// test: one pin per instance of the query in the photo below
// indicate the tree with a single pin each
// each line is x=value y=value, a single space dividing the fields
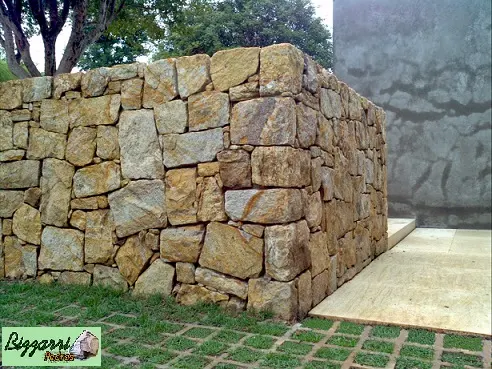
x=133 y=33
x=207 y=26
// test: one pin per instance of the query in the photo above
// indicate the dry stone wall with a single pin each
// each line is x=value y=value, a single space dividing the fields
x=252 y=179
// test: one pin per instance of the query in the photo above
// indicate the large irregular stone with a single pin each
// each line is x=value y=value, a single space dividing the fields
x=281 y=68
x=94 y=82
x=235 y=168
x=36 y=89
x=210 y=201
x=189 y=294
x=192 y=148
x=66 y=82
x=193 y=74
x=95 y=111
x=107 y=143
x=19 y=174
x=11 y=94
x=54 y=116
x=78 y=219
x=161 y=83
x=10 y=201
x=89 y=203
x=20 y=115
x=6 y=131
x=27 y=224
x=20 y=260
x=21 y=134
x=80 y=278
x=325 y=134
x=331 y=103
x=99 y=229
x=230 y=68
x=96 y=179
x=61 y=249
x=46 y=144
x=132 y=258
x=246 y=91
x=171 y=117
x=185 y=272
x=281 y=166
x=264 y=206
x=221 y=283
x=182 y=244
x=81 y=146
x=140 y=205
x=286 y=250
x=354 y=106
x=156 y=280
x=12 y=155
x=141 y=156
x=328 y=183
x=320 y=258
x=338 y=217
x=231 y=251
x=278 y=297
x=181 y=196
x=305 y=294
x=307 y=124
x=264 y=121
x=56 y=188
x=131 y=94
x=319 y=286
x=208 y=109
x=109 y=277
x=310 y=77
x=123 y=71
x=314 y=210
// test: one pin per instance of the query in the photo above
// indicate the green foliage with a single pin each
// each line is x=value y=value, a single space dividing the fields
x=350 y=328
x=421 y=336
x=385 y=332
x=377 y=360
x=459 y=358
x=463 y=342
x=315 y=323
x=206 y=26
x=379 y=346
x=416 y=351
x=5 y=73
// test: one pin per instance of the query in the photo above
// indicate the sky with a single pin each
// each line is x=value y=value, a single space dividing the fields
x=324 y=9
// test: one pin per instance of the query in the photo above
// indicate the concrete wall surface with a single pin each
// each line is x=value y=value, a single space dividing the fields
x=428 y=64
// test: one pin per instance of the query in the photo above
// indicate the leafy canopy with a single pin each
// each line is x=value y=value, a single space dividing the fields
x=206 y=26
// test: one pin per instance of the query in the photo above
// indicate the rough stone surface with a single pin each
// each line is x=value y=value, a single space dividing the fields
x=235 y=168
x=286 y=250
x=20 y=135
x=11 y=201
x=277 y=297
x=264 y=206
x=141 y=157
x=171 y=117
x=56 y=187
x=54 y=116
x=81 y=146
x=132 y=258
x=98 y=237
x=281 y=68
x=208 y=109
x=45 y=144
x=181 y=196
x=96 y=179
x=131 y=94
x=307 y=123
x=231 y=251
x=109 y=277
x=208 y=169
x=182 y=244
x=210 y=201
x=192 y=148
x=320 y=258
x=319 y=286
x=19 y=174
x=264 y=121
x=193 y=74
x=250 y=90
x=230 y=68
x=185 y=273
x=65 y=82
x=27 y=224
x=107 y=143
x=36 y=89
x=78 y=220
x=189 y=294
x=10 y=94
x=314 y=210
x=157 y=279
x=221 y=282
x=20 y=260
x=305 y=294
x=94 y=82
x=61 y=249
x=281 y=167
x=80 y=278
x=11 y=155
x=96 y=111
x=331 y=103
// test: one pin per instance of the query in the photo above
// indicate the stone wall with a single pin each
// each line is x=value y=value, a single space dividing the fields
x=253 y=179
x=428 y=64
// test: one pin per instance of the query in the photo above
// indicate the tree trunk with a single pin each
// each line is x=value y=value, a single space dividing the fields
x=49 y=56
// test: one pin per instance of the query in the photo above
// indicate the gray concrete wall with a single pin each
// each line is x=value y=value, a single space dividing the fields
x=428 y=64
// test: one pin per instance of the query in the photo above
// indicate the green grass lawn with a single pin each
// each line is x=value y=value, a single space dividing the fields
x=143 y=333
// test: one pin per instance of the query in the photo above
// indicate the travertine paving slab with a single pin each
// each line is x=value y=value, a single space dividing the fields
x=434 y=278
x=398 y=229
